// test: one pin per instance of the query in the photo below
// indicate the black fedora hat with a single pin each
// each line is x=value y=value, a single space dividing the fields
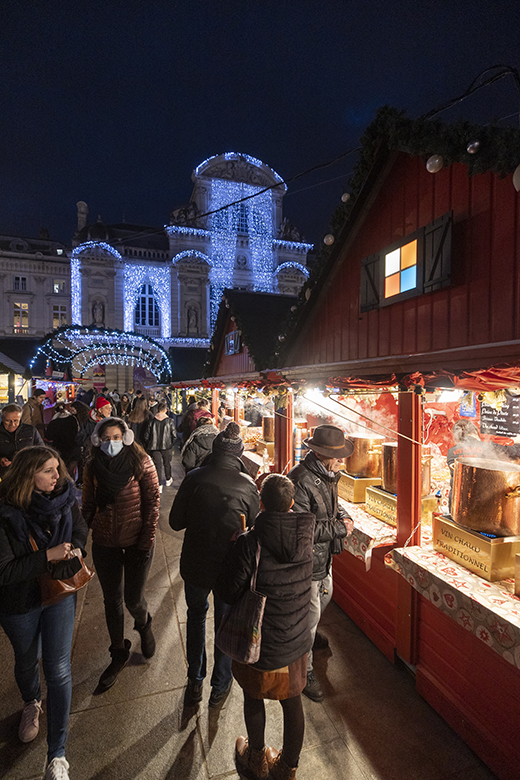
x=330 y=441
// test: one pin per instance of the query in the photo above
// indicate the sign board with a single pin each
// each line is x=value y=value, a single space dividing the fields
x=505 y=422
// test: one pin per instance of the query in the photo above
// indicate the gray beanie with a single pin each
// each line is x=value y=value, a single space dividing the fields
x=228 y=442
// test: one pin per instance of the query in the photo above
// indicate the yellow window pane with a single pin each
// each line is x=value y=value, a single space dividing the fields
x=392 y=262
x=392 y=285
x=409 y=254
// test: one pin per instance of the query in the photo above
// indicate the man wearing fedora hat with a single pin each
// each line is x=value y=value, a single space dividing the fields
x=316 y=490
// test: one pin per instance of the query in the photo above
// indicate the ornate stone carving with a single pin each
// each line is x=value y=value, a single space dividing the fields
x=238 y=170
x=289 y=232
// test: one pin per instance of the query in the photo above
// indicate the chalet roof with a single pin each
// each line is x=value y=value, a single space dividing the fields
x=259 y=317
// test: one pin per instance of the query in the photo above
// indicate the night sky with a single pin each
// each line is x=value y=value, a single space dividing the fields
x=115 y=103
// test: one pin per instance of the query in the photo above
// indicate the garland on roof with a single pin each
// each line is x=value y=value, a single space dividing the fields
x=498 y=151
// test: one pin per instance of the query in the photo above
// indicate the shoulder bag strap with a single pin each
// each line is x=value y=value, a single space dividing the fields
x=253 y=577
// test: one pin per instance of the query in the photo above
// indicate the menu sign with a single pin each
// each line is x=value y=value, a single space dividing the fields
x=505 y=422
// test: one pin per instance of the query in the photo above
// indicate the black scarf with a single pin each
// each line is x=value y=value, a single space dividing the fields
x=112 y=474
x=48 y=519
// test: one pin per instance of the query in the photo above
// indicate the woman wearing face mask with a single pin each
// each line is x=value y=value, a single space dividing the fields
x=121 y=506
x=37 y=500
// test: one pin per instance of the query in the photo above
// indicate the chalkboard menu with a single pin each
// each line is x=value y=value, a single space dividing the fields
x=505 y=422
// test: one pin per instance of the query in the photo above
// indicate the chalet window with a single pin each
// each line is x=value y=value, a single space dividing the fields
x=417 y=264
x=59 y=315
x=232 y=343
x=20 y=283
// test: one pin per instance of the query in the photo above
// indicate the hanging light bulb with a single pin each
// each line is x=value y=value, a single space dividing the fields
x=345 y=197
x=329 y=239
x=434 y=163
x=516 y=178
x=473 y=147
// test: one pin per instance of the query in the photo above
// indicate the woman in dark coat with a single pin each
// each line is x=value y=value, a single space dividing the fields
x=37 y=500
x=284 y=576
x=140 y=420
x=199 y=444
x=61 y=433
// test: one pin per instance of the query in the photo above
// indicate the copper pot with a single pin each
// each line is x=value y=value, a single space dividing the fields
x=365 y=460
x=389 y=475
x=486 y=496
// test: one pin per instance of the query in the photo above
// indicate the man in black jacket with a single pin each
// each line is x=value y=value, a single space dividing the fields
x=316 y=490
x=14 y=435
x=209 y=505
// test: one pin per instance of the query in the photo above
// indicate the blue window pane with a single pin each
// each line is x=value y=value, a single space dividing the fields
x=408 y=279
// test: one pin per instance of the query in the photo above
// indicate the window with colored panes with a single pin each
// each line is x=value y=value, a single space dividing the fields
x=401 y=269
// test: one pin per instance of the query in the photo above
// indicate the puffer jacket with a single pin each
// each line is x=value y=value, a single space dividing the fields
x=20 y=566
x=316 y=491
x=162 y=434
x=132 y=519
x=284 y=576
x=208 y=505
x=198 y=446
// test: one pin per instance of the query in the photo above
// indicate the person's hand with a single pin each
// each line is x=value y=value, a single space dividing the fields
x=350 y=525
x=60 y=553
x=5 y=462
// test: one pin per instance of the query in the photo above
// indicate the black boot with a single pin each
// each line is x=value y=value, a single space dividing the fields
x=147 y=638
x=119 y=661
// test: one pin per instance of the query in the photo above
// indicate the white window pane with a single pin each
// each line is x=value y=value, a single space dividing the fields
x=392 y=262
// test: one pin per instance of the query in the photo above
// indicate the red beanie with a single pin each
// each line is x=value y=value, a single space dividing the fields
x=102 y=402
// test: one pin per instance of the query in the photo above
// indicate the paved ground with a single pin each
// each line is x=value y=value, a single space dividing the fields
x=372 y=724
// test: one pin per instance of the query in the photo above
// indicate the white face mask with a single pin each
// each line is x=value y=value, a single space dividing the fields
x=111 y=448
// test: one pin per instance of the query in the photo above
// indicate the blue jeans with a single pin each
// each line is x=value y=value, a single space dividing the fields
x=197 y=601
x=46 y=633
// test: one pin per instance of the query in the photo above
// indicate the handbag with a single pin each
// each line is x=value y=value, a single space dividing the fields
x=54 y=591
x=239 y=634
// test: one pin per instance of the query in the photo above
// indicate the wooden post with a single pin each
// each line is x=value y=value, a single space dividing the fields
x=283 y=437
x=408 y=517
x=214 y=404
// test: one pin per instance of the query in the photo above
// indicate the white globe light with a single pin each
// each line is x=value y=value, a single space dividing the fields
x=516 y=178
x=329 y=239
x=434 y=163
x=345 y=197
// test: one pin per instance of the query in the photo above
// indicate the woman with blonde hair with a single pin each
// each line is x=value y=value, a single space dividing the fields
x=37 y=503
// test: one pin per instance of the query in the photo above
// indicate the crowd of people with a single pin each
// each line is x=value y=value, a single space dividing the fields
x=119 y=451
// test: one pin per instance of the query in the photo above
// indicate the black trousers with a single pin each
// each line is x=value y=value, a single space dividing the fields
x=122 y=573
x=163 y=464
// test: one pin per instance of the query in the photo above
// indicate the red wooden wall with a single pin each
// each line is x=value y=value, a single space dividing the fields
x=234 y=365
x=480 y=306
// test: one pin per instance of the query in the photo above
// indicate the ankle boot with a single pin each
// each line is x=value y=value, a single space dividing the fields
x=119 y=661
x=251 y=760
x=147 y=638
x=279 y=770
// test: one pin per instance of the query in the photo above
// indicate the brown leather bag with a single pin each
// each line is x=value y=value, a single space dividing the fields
x=53 y=590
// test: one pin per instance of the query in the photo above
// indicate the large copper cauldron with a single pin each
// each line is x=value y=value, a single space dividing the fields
x=486 y=496
x=365 y=460
x=389 y=474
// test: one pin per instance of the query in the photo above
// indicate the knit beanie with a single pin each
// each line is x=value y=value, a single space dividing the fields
x=101 y=401
x=228 y=442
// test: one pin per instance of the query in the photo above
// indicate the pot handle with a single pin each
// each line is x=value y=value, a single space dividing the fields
x=513 y=492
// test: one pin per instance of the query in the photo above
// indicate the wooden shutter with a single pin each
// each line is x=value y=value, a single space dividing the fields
x=437 y=253
x=370 y=283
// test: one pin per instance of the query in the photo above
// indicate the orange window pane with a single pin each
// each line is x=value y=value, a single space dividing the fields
x=392 y=285
x=409 y=254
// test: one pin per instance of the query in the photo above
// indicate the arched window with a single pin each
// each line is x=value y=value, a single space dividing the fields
x=146 y=308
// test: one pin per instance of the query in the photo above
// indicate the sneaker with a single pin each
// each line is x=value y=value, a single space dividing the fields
x=313 y=688
x=320 y=642
x=160 y=488
x=30 y=722
x=58 y=769
x=193 y=693
x=218 y=698
x=169 y=482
